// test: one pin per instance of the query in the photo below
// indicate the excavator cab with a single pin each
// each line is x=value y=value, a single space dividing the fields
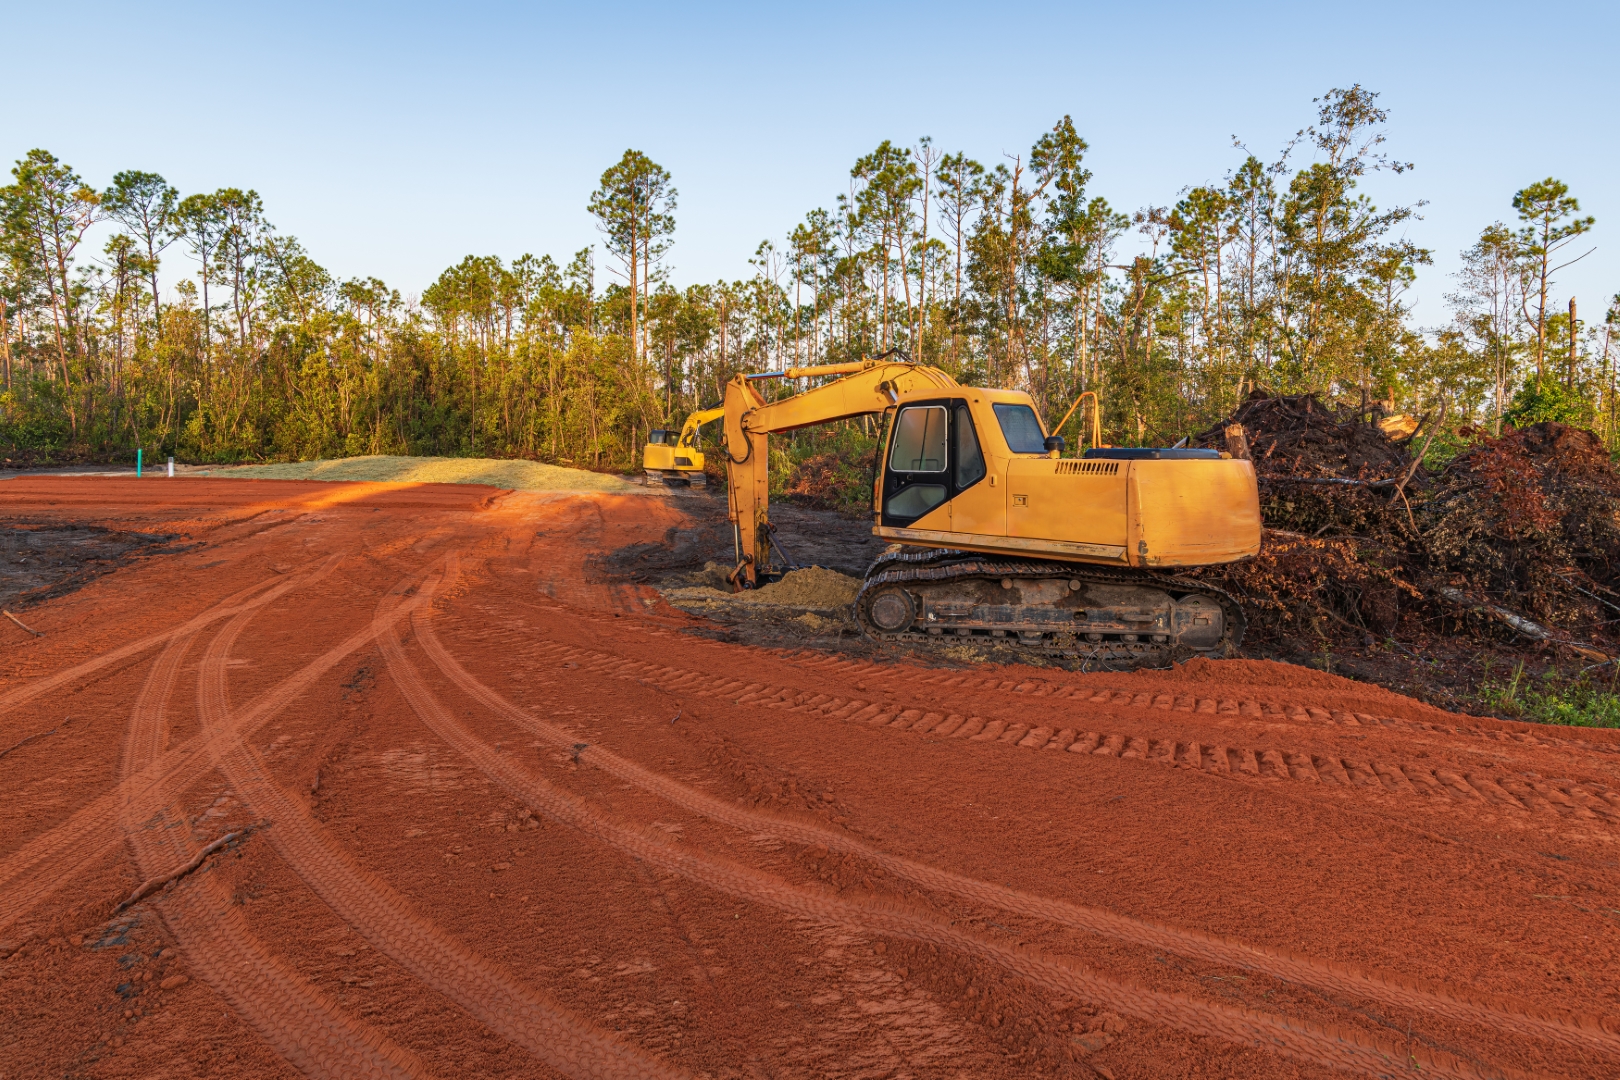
x=976 y=470
x=933 y=456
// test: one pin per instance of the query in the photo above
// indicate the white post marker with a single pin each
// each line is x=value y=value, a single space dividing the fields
x=171 y=466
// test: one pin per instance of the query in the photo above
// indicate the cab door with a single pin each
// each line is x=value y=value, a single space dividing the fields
x=978 y=507
x=933 y=456
x=916 y=468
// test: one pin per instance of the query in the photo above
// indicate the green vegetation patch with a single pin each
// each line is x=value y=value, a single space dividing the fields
x=1553 y=698
x=395 y=469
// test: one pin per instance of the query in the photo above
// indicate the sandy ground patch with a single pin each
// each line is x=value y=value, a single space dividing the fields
x=391 y=468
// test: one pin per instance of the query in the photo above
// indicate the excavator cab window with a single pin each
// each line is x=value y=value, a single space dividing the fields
x=969 y=458
x=919 y=440
x=1022 y=429
x=660 y=436
x=917 y=462
x=928 y=462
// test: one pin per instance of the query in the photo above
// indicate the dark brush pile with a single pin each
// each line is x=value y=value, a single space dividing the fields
x=1529 y=519
x=832 y=481
x=1298 y=442
x=1525 y=522
x=1298 y=435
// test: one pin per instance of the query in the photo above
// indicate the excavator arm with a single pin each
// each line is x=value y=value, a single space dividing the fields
x=689 y=429
x=867 y=387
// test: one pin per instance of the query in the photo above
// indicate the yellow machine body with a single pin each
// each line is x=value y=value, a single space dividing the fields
x=670 y=457
x=997 y=537
x=976 y=475
x=676 y=454
x=1121 y=511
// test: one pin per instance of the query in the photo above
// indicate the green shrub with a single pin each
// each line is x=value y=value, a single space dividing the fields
x=1546 y=399
x=1551 y=698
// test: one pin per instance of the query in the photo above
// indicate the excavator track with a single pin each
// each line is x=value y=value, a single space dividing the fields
x=1117 y=619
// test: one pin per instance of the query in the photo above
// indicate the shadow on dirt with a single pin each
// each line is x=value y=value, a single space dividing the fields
x=808 y=537
x=40 y=561
x=690 y=563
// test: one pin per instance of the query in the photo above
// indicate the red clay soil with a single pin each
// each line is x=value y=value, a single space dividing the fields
x=481 y=817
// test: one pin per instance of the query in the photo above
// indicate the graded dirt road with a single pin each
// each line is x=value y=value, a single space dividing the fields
x=399 y=786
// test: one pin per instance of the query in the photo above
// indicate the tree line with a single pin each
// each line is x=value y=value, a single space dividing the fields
x=1284 y=276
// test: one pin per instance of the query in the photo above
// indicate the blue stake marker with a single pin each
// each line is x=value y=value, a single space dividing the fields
x=137 y=464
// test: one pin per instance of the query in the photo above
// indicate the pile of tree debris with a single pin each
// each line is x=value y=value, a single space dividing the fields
x=1323 y=469
x=1516 y=538
x=1528 y=520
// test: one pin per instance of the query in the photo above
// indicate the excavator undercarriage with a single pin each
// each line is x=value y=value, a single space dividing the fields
x=1117 y=618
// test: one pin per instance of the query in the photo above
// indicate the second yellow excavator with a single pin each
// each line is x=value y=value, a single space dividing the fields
x=673 y=456
x=994 y=533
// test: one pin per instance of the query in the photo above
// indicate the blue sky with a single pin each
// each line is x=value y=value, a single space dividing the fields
x=395 y=139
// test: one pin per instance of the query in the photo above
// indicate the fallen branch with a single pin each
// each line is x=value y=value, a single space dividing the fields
x=163 y=882
x=1532 y=630
x=1594 y=596
x=19 y=622
x=1409 y=518
x=1331 y=481
x=1347 y=624
x=36 y=735
x=1523 y=625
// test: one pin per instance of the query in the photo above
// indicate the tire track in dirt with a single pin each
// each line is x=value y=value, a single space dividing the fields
x=147 y=731
x=222 y=610
x=1584 y=1031
x=1588 y=801
x=1484 y=728
x=302 y=1025
x=50 y=860
x=31 y=690
x=388 y=920
x=36 y=870
x=1323 y=1045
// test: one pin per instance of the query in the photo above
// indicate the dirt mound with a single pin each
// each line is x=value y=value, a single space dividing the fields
x=814 y=587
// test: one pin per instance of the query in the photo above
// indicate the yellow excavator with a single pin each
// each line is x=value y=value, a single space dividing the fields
x=994 y=533
x=673 y=456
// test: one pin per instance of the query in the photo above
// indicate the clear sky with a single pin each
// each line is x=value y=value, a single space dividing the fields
x=394 y=139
